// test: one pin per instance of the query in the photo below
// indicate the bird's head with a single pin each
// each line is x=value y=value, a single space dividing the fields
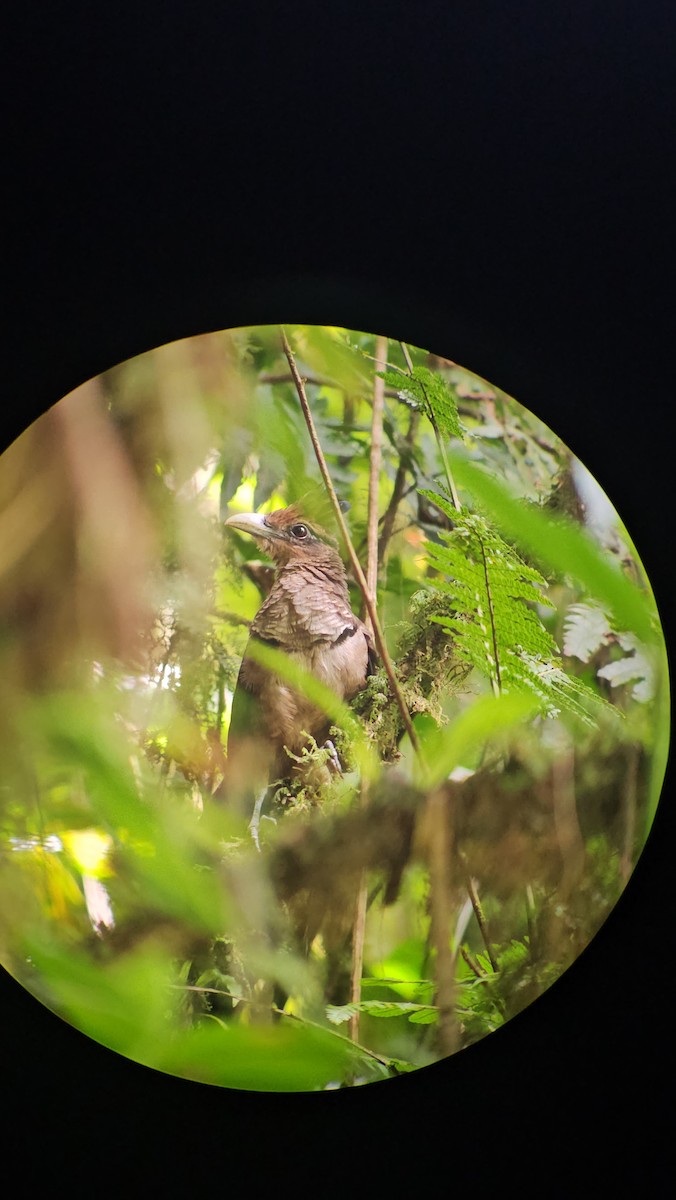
x=287 y=536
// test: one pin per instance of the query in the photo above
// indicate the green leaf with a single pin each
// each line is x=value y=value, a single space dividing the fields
x=132 y=1007
x=287 y=1057
x=563 y=548
x=428 y=391
x=458 y=744
x=159 y=847
x=495 y=625
x=422 y=1014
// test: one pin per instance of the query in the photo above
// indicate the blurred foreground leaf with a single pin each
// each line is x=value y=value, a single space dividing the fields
x=320 y=695
x=458 y=744
x=563 y=548
x=160 y=845
x=132 y=1006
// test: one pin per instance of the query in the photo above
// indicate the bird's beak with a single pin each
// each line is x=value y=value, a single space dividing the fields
x=253 y=523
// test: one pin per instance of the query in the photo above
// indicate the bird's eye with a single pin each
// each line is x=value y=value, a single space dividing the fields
x=300 y=531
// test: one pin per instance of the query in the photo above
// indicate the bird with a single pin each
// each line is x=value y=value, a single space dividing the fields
x=307 y=614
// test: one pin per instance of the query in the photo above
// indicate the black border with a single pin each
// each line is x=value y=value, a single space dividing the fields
x=496 y=186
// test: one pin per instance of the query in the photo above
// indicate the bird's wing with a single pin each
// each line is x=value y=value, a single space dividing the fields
x=250 y=751
x=246 y=718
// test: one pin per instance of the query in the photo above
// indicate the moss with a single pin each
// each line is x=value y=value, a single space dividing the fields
x=427 y=669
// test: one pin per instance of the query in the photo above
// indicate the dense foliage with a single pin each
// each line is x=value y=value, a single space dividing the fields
x=447 y=877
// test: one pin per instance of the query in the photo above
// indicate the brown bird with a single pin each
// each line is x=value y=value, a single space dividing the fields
x=307 y=615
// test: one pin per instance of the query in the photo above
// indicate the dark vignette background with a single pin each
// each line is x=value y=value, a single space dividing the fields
x=493 y=182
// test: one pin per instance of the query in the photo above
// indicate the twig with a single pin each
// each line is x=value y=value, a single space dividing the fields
x=407 y=356
x=232 y=618
x=359 y=922
x=398 y=490
x=279 y=1012
x=481 y=920
x=358 y=932
x=532 y=924
x=278 y=377
x=317 y=381
x=473 y=966
x=374 y=472
x=566 y=820
x=438 y=846
x=220 y=710
x=354 y=561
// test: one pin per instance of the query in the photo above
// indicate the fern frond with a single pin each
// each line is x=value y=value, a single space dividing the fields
x=585 y=629
x=429 y=393
x=495 y=624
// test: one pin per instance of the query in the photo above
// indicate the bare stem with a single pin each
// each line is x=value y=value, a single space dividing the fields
x=447 y=468
x=351 y=553
x=407 y=356
x=481 y=920
x=438 y=841
x=359 y=922
x=358 y=932
x=374 y=471
x=398 y=490
x=472 y=964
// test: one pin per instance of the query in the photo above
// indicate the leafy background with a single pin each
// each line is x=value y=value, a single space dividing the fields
x=475 y=865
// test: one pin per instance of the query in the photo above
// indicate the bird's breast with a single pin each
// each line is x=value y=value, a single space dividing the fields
x=341 y=665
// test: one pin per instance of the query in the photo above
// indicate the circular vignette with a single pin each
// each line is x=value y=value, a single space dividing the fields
x=334 y=708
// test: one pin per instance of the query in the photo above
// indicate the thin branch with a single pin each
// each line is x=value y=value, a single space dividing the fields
x=282 y=377
x=447 y=467
x=398 y=490
x=317 y=381
x=374 y=472
x=437 y=822
x=220 y=710
x=354 y=561
x=359 y=922
x=473 y=966
x=358 y=933
x=481 y=920
x=231 y=618
x=407 y=356
x=566 y=819
x=279 y=1012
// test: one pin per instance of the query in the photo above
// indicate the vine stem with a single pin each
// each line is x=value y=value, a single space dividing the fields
x=351 y=553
